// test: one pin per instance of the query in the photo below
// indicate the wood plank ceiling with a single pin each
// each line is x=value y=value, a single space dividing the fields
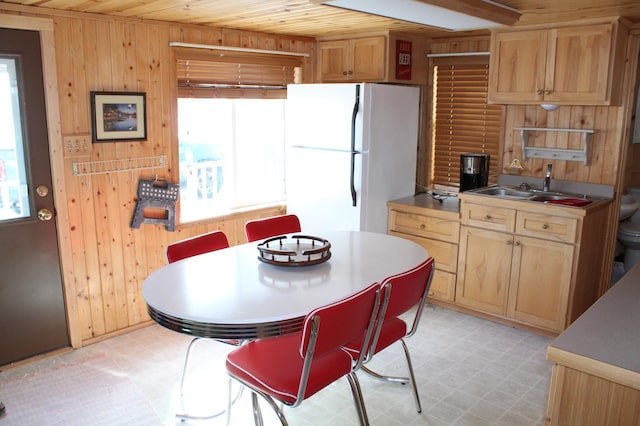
x=305 y=18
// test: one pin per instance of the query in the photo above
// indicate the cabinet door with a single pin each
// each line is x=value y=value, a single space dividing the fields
x=361 y=59
x=578 y=64
x=540 y=282
x=484 y=267
x=332 y=61
x=517 y=66
x=367 y=59
x=443 y=286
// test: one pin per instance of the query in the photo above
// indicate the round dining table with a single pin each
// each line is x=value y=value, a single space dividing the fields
x=232 y=294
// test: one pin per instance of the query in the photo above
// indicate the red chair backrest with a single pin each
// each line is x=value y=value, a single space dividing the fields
x=259 y=229
x=408 y=288
x=204 y=243
x=342 y=322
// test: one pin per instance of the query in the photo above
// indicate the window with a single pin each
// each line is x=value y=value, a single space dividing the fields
x=231 y=130
x=462 y=121
x=231 y=155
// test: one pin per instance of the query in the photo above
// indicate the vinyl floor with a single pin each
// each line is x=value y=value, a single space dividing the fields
x=470 y=371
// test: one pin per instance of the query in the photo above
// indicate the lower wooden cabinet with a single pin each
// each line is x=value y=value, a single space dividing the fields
x=435 y=230
x=531 y=264
x=521 y=263
x=521 y=278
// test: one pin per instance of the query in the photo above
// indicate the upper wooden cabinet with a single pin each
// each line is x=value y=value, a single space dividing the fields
x=567 y=66
x=373 y=59
x=361 y=59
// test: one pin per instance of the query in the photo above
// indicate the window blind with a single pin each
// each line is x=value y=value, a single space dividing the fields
x=462 y=120
x=211 y=74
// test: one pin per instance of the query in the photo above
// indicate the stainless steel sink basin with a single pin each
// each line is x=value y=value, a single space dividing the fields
x=514 y=193
x=502 y=191
x=547 y=197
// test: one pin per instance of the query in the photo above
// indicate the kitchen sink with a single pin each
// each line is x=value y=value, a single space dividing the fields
x=514 y=193
x=547 y=197
x=503 y=191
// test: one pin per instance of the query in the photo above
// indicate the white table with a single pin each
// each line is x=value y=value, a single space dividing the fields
x=231 y=294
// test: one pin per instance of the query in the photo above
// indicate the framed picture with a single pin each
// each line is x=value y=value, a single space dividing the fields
x=118 y=116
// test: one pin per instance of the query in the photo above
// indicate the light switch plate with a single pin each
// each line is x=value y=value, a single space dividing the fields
x=77 y=146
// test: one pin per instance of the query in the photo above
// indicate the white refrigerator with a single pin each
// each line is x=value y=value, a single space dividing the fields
x=350 y=148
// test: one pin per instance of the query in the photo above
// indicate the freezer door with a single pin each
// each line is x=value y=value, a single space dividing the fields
x=318 y=189
x=320 y=116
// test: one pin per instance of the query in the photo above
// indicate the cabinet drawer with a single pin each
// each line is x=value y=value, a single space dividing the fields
x=486 y=217
x=445 y=254
x=424 y=226
x=443 y=286
x=554 y=228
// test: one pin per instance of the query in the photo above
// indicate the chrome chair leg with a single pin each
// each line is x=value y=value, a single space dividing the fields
x=257 y=414
x=272 y=403
x=413 y=377
x=402 y=380
x=357 y=397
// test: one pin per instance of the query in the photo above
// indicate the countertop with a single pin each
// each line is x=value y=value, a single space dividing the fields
x=606 y=338
x=449 y=205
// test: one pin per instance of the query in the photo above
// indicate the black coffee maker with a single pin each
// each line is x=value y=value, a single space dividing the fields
x=474 y=171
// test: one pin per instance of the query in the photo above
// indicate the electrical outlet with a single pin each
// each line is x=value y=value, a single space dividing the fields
x=77 y=146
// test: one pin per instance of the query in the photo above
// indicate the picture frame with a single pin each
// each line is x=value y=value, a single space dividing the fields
x=118 y=116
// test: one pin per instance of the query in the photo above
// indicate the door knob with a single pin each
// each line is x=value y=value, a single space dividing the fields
x=44 y=214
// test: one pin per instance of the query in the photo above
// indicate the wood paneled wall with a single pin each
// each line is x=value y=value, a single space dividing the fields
x=604 y=157
x=108 y=260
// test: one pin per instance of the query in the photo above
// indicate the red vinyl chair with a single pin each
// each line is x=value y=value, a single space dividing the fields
x=404 y=292
x=293 y=367
x=259 y=229
x=200 y=244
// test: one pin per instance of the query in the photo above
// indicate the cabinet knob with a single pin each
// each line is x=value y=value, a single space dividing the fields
x=517 y=243
x=487 y=217
x=509 y=242
x=344 y=73
x=350 y=72
x=538 y=92
x=423 y=226
x=547 y=92
x=545 y=226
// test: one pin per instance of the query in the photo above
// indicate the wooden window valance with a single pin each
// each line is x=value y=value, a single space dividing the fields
x=211 y=73
x=462 y=120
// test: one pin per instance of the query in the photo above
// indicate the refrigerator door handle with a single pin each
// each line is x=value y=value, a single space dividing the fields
x=354 y=115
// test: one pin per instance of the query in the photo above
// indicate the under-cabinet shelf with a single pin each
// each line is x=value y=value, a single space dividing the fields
x=556 y=153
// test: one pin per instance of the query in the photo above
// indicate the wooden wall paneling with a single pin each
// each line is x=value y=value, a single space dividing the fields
x=156 y=65
x=112 y=185
x=74 y=69
x=603 y=158
x=98 y=74
x=160 y=94
x=616 y=142
x=128 y=181
x=81 y=294
x=125 y=79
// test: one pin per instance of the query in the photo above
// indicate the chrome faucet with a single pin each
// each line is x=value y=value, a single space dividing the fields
x=547 y=179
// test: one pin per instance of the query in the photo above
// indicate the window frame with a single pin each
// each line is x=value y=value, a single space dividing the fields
x=435 y=180
x=292 y=66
